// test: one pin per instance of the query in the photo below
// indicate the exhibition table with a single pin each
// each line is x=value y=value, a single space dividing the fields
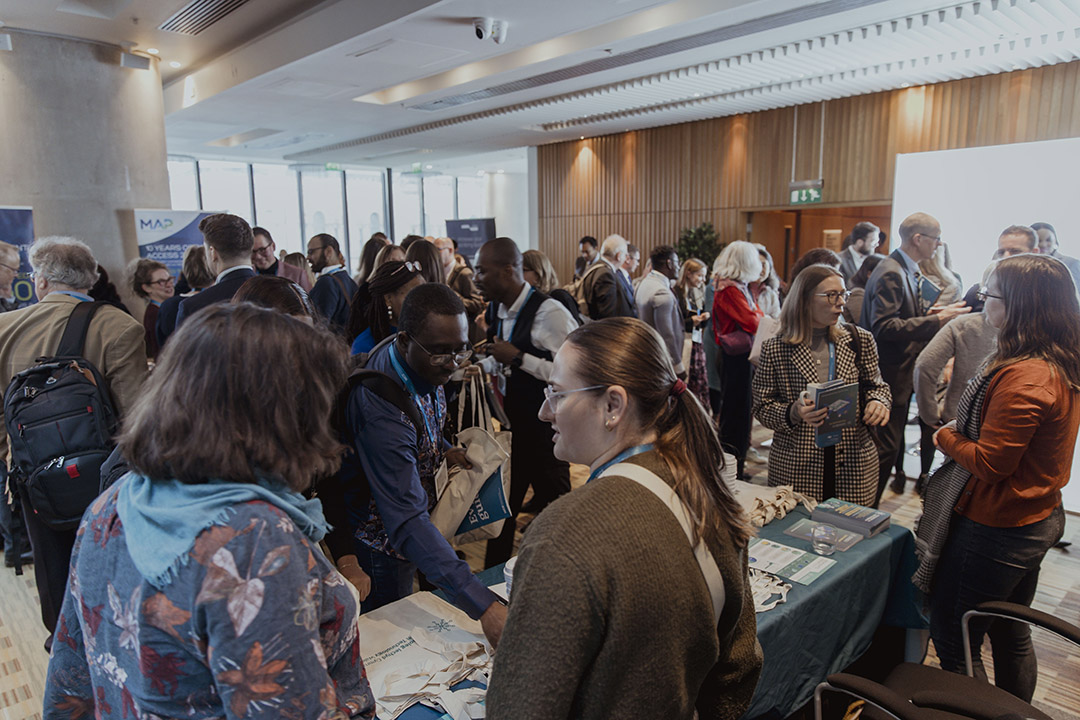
x=823 y=627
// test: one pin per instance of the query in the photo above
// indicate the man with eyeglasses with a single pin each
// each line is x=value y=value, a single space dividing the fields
x=525 y=328
x=228 y=241
x=265 y=260
x=334 y=287
x=9 y=270
x=893 y=312
x=400 y=461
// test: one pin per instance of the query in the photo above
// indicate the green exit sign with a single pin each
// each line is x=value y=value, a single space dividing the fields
x=806 y=196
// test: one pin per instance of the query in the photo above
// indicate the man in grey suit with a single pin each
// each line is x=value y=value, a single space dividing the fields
x=892 y=311
x=657 y=306
x=64 y=272
x=864 y=240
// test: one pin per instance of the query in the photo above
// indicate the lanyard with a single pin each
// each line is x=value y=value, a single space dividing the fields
x=627 y=453
x=77 y=295
x=832 y=360
x=411 y=389
x=514 y=324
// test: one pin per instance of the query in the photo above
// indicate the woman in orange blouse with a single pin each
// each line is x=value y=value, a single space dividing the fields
x=1009 y=514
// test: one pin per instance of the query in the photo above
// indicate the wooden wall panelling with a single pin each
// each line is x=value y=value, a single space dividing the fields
x=649 y=184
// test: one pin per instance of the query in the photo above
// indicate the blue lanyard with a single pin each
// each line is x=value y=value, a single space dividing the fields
x=627 y=453
x=832 y=360
x=411 y=389
x=514 y=325
x=77 y=295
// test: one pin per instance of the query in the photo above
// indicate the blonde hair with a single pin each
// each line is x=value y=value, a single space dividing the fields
x=689 y=267
x=538 y=262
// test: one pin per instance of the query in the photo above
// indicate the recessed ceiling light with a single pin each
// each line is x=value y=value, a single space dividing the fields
x=697 y=94
x=153 y=51
x=581 y=138
x=174 y=64
x=905 y=85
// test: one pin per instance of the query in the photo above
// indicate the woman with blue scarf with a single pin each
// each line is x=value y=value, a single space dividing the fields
x=197 y=588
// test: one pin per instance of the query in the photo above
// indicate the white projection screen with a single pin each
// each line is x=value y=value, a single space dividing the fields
x=977 y=192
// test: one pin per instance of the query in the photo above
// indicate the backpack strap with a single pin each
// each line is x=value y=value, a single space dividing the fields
x=382 y=385
x=74 y=338
x=341 y=284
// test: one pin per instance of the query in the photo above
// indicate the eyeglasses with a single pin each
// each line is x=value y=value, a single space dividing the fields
x=457 y=357
x=982 y=295
x=553 y=397
x=163 y=282
x=935 y=238
x=835 y=297
x=265 y=248
x=312 y=250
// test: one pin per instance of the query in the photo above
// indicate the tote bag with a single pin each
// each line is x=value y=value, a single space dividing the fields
x=767 y=328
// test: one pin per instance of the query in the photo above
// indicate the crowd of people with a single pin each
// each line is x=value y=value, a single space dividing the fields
x=282 y=426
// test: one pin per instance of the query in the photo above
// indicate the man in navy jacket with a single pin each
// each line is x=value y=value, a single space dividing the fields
x=228 y=240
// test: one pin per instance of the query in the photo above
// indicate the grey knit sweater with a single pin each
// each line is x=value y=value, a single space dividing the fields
x=610 y=616
x=969 y=340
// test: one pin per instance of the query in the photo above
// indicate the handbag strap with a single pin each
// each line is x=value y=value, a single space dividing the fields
x=652 y=482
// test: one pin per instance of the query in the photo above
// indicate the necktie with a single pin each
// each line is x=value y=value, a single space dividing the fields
x=918 y=293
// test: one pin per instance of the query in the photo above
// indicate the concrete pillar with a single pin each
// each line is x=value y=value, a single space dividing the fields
x=82 y=141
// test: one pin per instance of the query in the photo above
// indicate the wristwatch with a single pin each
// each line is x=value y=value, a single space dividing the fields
x=516 y=362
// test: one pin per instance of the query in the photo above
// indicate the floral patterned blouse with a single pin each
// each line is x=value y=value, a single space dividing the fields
x=256 y=624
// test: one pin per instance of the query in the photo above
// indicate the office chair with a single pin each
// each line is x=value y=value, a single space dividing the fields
x=921 y=692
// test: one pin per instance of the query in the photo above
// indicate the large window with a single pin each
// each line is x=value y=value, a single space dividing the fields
x=407 y=216
x=183 y=185
x=471 y=197
x=324 y=210
x=226 y=187
x=364 y=194
x=277 y=205
x=438 y=203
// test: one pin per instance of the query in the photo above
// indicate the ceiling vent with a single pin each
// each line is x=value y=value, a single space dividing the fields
x=198 y=15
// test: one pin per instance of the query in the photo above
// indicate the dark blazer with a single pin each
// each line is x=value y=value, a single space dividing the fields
x=605 y=294
x=890 y=311
x=166 y=319
x=220 y=292
x=847 y=266
x=783 y=373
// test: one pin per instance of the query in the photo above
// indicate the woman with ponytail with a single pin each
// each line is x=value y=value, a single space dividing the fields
x=630 y=594
x=377 y=304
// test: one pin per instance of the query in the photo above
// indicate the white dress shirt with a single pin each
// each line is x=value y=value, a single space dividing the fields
x=552 y=323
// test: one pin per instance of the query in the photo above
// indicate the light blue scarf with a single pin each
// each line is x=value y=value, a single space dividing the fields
x=162 y=518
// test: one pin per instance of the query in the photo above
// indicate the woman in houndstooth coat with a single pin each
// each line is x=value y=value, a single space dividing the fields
x=810 y=342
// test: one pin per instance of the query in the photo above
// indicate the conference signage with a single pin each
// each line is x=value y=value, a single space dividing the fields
x=164 y=235
x=471 y=234
x=17 y=228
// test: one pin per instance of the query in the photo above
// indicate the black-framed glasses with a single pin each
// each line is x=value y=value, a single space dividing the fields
x=262 y=249
x=835 y=297
x=163 y=282
x=982 y=295
x=312 y=250
x=935 y=238
x=456 y=357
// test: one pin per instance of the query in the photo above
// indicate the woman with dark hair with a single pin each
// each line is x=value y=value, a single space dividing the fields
x=996 y=503
x=376 y=306
x=579 y=627
x=367 y=257
x=104 y=291
x=197 y=585
x=815 y=256
x=812 y=346
x=151 y=281
x=431 y=267
x=276 y=293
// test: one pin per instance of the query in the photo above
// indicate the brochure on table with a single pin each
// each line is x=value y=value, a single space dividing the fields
x=787 y=562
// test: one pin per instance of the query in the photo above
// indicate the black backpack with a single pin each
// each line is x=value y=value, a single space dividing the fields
x=61 y=421
x=349 y=487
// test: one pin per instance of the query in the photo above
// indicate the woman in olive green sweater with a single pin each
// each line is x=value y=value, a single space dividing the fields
x=611 y=614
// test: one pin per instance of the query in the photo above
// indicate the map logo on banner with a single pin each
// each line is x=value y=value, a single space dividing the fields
x=164 y=235
x=17 y=228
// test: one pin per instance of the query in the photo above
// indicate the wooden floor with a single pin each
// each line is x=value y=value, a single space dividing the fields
x=23 y=660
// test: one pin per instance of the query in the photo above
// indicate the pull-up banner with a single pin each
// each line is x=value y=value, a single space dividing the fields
x=17 y=228
x=164 y=235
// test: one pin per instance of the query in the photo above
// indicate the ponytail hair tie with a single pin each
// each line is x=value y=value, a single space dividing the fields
x=678 y=388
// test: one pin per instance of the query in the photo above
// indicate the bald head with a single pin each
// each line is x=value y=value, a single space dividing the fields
x=502 y=251
x=498 y=270
x=920 y=235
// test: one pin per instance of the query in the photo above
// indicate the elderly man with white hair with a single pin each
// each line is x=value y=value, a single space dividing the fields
x=606 y=292
x=64 y=271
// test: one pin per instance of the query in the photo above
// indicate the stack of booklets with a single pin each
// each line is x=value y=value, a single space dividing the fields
x=868 y=522
x=842 y=399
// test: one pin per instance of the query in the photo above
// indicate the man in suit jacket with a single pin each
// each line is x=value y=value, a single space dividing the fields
x=1048 y=245
x=228 y=240
x=892 y=311
x=64 y=272
x=334 y=288
x=606 y=293
x=265 y=261
x=864 y=240
x=656 y=303
x=589 y=254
